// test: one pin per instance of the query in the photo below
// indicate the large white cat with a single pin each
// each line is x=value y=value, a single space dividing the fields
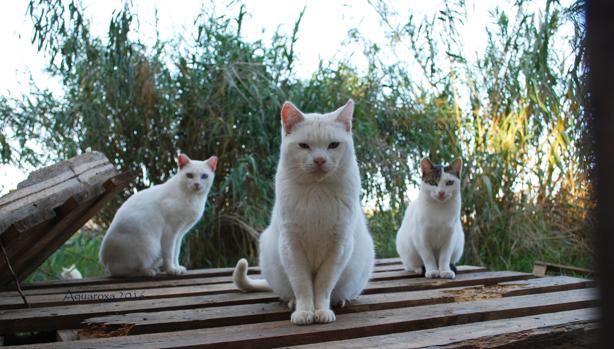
x=431 y=235
x=317 y=249
x=148 y=228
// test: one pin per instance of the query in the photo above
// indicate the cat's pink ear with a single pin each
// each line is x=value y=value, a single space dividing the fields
x=426 y=165
x=290 y=116
x=346 y=114
x=457 y=166
x=212 y=162
x=183 y=160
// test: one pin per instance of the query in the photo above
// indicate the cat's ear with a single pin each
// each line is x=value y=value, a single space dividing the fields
x=183 y=160
x=290 y=116
x=426 y=165
x=212 y=162
x=345 y=114
x=456 y=166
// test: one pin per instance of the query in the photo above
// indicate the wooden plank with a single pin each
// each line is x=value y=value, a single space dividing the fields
x=522 y=332
x=139 y=323
x=69 y=224
x=353 y=325
x=542 y=268
x=173 y=282
x=387 y=267
x=68 y=315
x=397 y=285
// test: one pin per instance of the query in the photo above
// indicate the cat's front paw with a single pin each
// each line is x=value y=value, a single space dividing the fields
x=302 y=317
x=447 y=274
x=175 y=271
x=432 y=274
x=324 y=316
x=182 y=269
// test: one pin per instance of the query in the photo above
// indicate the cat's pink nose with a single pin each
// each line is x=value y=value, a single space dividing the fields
x=196 y=186
x=441 y=194
x=319 y=161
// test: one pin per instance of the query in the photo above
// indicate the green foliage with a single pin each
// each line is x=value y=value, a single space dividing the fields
x=515 y=116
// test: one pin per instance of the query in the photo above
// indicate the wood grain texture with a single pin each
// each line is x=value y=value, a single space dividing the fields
x=353 y=325
x=167 y=321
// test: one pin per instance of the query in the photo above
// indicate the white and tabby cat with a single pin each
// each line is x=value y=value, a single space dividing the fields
x=148 y=228
x=431 y=235
x=317 y=249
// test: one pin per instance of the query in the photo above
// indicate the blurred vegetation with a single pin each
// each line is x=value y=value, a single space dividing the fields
x=514 y=114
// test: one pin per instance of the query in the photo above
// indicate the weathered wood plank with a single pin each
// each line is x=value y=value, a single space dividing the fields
x=173 y=282
x=68 y=315
x=397 y=285
x=391 y=264
x=522 y=332
x=150 y=322
x=66 y=227
x=353 y=325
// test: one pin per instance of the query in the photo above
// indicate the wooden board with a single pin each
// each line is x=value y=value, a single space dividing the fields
x=50 y=206
x=499 y=308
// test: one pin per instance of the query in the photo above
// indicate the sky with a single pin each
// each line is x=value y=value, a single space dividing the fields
x=324 y=28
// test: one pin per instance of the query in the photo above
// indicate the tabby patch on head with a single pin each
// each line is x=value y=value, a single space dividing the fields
x=441 y=182
x=433 y=175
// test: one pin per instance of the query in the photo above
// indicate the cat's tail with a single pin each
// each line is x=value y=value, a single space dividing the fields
x=244 y=282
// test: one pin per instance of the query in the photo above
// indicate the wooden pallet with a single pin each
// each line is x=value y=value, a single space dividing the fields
x=50 y=206
x=398 y=309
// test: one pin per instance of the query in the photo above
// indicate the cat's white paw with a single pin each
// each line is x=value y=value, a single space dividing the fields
x=432 y=274
x=175 y=271
x=182 y=269
x=342 y=303
x=446 y=274
x=324 y=316
x=150 y=272
x=302 y=317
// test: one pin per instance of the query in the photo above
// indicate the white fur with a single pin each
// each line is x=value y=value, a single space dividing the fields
x=147 y=230
x=431 y=234
x=317 y=249
x=71 y=273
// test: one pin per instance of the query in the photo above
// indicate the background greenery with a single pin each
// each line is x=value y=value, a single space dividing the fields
x=515 y=115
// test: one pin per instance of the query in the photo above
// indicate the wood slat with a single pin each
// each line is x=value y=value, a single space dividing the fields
x=523 y=332
x=397 y=285
x=354 y=325
x=69 y=316
x=149 y=283
x=388 y=265
x=138 y=323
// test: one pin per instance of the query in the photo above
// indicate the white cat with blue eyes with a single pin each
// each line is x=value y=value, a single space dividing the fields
x=148 y=228
x=317 y=249
x=431 y=237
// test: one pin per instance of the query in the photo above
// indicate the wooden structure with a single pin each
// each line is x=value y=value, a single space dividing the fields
x=398 y=309
x=50 y=206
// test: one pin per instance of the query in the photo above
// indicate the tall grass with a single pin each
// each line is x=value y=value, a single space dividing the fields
x=515 y=116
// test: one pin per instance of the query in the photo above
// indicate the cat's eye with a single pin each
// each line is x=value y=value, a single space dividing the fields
x=204 y=176
x=449 y=183
x=333 y=145
x=190 y=175
x=304 y=145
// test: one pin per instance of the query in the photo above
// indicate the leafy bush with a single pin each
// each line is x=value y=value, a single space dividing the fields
x=515 y=115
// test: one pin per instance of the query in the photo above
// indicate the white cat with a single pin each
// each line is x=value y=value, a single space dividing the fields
x=148 y=228
x=71 y=273
x=317 y=249
x=431 y=235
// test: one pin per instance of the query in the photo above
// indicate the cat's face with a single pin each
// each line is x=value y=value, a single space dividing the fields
x=196 y=176
x=441 y=183
x=314 y=146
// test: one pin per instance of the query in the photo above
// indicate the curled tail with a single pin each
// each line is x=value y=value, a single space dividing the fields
x=244 y=282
